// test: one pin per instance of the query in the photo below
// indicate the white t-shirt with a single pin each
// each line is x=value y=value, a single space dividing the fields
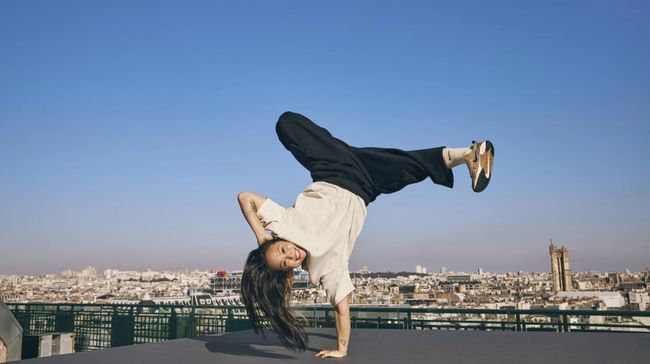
x=325 y=221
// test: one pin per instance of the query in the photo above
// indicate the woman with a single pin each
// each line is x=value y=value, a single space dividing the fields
x=319 y=231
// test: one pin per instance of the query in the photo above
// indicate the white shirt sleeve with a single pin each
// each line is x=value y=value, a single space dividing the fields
x=337 y=285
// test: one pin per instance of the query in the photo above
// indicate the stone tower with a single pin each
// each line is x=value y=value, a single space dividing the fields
x=560 y=268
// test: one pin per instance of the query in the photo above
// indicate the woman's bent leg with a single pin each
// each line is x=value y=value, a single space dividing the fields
x=309 y=143
x=327 y=158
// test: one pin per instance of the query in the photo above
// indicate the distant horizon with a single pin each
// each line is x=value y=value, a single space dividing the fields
x=541 y=261
x=436 y=271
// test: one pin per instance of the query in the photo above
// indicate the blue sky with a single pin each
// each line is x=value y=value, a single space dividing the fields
x=127 y=128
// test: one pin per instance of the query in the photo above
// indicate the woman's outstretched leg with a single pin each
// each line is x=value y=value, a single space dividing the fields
x=369 y=172
x=393 y=169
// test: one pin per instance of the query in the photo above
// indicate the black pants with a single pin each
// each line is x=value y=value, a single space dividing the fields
x=367 y=172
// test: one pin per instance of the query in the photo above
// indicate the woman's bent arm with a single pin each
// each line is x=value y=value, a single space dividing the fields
x=342 y=318
x=249 y=204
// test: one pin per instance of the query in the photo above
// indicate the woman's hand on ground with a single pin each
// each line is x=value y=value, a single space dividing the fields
x=331 y=354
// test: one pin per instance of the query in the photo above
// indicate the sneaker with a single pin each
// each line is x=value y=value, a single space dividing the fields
x=480 y=160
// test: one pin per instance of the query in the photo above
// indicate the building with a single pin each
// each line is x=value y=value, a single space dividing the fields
x=610 y=299
x=300 y=279
x=459 y=283
x=460 y=278
x=225 y=283
x=639 y=300
x=560 y=268
x=88 y=272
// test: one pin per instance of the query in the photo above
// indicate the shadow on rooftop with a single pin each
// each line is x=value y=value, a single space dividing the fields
x=267 y=346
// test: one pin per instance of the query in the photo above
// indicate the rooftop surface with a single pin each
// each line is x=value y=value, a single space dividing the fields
x=384 y=346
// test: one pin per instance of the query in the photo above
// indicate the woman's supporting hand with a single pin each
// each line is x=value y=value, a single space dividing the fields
x=342 y=318
x=331 y=354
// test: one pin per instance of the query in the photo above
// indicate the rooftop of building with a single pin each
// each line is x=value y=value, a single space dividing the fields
x=383 y=346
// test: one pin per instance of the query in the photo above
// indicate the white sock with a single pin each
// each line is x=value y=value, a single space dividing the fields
x=454 y=156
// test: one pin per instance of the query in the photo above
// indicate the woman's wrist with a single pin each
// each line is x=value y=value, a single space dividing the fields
x=343 y=345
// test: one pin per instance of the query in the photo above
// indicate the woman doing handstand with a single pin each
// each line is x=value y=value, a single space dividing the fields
x=319 y=231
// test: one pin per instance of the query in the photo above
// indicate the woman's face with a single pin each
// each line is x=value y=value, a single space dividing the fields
x=284 y=255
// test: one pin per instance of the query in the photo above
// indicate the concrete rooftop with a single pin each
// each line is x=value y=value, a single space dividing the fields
x=384 y=346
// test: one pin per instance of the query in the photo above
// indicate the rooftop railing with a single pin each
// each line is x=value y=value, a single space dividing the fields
x=98 y=326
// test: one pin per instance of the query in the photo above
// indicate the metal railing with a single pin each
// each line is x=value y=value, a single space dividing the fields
x=98 y=326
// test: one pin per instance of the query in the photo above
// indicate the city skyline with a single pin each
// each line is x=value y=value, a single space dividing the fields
x=362 y=269
x=478 y=289
x=127 y=130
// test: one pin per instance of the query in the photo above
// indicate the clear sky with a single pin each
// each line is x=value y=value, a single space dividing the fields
x=127 y=128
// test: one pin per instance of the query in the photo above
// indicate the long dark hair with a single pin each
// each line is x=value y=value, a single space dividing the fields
x=268 y=292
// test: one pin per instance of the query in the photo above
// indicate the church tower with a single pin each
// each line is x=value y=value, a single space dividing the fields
x=560 y=268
